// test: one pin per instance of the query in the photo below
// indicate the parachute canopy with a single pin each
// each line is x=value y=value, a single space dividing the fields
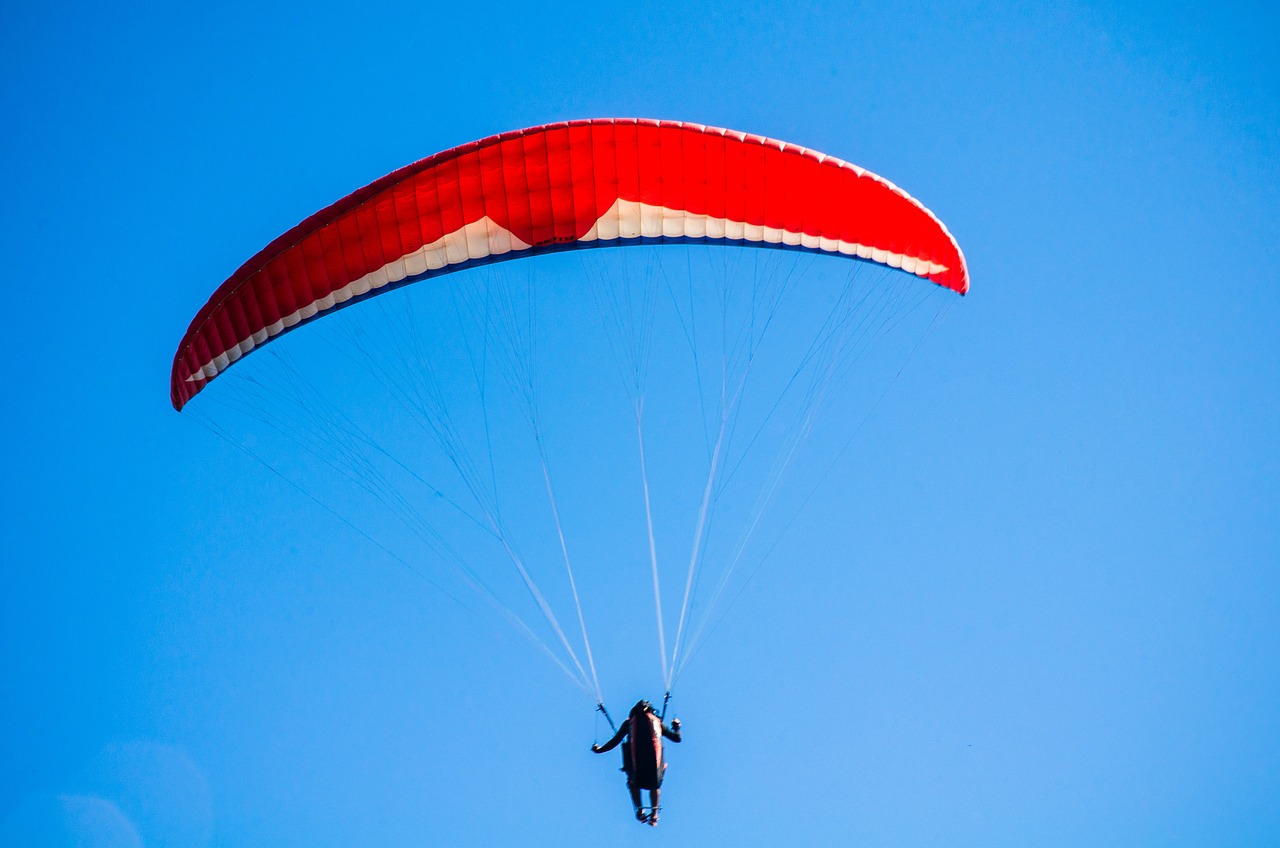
x=579 y=184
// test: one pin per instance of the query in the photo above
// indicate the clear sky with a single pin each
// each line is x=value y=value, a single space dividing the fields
x=1038 y=603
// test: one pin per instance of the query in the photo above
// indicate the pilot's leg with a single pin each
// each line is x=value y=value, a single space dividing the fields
x=635 y=798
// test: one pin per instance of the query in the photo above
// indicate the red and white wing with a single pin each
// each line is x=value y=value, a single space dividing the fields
x=591 y=183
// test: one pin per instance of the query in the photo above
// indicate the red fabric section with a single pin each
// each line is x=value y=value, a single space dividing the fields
x=549 y=185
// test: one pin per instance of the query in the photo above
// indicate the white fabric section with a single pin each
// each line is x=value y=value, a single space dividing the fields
x=626 y=219
x=477 y=240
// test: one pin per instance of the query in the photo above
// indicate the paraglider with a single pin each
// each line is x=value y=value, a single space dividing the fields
x=577 y=186
x=642 y=756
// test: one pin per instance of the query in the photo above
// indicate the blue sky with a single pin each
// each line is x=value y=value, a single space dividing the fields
x=1036 y=604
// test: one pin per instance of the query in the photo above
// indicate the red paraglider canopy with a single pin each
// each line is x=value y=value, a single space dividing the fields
x=590 y=183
